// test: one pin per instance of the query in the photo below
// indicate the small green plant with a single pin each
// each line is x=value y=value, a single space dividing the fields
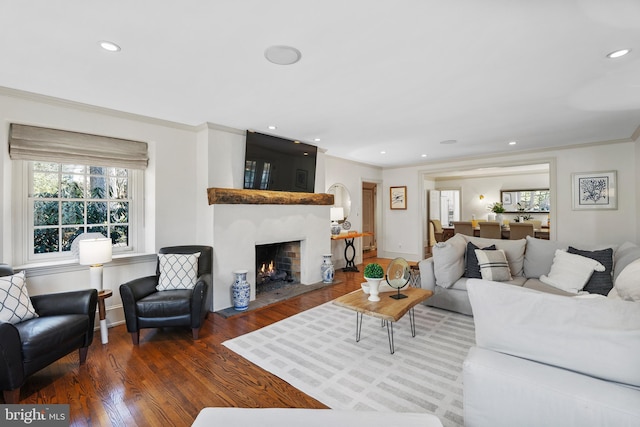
x=497 y=208
x=373 y=271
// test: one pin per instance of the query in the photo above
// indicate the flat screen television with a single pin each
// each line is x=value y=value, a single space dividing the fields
x=279 y=164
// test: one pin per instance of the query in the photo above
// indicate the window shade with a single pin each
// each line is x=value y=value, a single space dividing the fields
x=43 y=144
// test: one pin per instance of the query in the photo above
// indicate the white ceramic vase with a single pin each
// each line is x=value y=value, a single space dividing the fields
x=374 y=289
x=499 y=218
x=241 y=291
x=326 y=269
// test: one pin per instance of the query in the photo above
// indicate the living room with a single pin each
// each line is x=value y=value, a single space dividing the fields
x=186 y=159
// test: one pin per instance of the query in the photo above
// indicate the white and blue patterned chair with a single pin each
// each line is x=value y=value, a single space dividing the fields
x=175 y=296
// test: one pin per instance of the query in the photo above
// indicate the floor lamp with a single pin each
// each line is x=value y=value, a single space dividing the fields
x=94 y=253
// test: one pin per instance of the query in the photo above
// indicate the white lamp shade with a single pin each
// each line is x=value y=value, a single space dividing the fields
x=95 y=251
x=337 y=214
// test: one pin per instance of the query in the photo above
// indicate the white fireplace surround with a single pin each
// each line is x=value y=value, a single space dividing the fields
x=237 y=228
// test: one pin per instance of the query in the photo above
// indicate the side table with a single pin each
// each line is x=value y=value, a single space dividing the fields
x=104 y=331
x=349 y=239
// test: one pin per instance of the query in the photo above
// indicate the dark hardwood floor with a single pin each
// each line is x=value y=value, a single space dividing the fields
x=169 y=378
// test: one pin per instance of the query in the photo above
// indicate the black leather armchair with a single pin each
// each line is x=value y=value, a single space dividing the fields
x=145 y=307
x=65 y=323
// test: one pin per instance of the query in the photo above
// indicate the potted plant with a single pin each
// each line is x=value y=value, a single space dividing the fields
x=498 y=209
x=373 y=273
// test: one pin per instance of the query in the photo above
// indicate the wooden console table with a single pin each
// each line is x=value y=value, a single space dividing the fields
x=349 y=238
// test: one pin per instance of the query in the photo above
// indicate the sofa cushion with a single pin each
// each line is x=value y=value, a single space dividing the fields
x=493 y=265
x=15 y=304
x=178 y=271
x=595 y=336
x=448 y=260
x=625 y=254
x=600 y=282
x=461 y=284
x=513 y=249
x=472 y=269
x=570 y=272
x=628 y=284
x=537 y=285
x=538 y=256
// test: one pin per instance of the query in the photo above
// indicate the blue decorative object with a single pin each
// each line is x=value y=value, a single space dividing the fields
x=241 y=291
x=327 y=269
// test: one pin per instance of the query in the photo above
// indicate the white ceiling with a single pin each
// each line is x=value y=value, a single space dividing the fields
x=375 y=75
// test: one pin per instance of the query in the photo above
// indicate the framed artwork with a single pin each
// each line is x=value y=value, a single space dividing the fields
x=594 y=190
x=398 y=197
x=301 y=178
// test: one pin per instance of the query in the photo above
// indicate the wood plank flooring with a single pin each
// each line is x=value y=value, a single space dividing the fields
x=169 y=378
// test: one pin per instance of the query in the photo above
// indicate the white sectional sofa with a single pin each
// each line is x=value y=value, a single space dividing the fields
x=547 y=360
x=446 y=273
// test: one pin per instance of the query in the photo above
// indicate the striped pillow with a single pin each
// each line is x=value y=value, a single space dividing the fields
x=493 y=265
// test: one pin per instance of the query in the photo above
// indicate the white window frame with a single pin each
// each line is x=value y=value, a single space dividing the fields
x=22 y=215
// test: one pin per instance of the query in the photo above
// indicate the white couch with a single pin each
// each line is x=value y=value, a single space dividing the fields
x=548 y=360
x=528 y=259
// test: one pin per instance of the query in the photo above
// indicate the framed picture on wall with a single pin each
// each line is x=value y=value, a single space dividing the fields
x=398 y=197
x=594 y=190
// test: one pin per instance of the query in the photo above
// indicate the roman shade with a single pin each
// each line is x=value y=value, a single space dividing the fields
x=61 y=146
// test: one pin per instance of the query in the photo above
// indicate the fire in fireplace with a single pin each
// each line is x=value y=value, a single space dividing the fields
x=277 y=264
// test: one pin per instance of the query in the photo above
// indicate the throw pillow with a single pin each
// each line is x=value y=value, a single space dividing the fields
x=600 y=282
x=538 y=257
x=178 y=271
x=626 y=254
x=570 y=272
x=472 y=270
x=599 y=337
x=493 y=265
x=15 y=304
x=448 y=260
x=627 y=285
x=513 y=249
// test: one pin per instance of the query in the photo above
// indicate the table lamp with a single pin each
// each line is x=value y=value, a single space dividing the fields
x=337 y=214
x=94 y=253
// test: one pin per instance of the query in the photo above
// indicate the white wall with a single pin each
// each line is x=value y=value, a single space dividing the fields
x=171 y=189
x=490 y=186
x=351 y=175
x=577 y=227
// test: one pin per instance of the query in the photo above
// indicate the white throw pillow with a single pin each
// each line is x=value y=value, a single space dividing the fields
x=597 y=336
x=15 y=304
x=178 y=271
x=493 y=265
x=627 y=285
x=448 y=260
x=570 y=272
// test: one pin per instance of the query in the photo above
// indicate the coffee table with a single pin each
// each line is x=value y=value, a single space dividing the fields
x=388 y=309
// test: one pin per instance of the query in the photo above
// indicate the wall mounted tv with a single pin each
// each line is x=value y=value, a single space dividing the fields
x=279 y=164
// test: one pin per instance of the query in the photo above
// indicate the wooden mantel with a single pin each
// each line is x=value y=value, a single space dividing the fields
x=232 y=196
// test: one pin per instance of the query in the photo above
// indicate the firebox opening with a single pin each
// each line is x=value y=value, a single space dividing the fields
x=277 y=265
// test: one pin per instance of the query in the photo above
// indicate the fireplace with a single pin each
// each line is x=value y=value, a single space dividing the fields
x=277 y=265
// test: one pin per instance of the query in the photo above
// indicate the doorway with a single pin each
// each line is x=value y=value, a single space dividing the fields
x=369 y=243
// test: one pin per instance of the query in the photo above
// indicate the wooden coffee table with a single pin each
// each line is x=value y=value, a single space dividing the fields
x=388 y=309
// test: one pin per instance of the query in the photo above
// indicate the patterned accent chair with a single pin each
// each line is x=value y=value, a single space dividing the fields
x=146 y=306
x=64 y=323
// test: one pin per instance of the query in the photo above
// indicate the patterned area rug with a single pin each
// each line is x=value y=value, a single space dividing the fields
x=316 y=352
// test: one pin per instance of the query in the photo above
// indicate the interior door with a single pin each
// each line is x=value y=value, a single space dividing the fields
x=368 y=215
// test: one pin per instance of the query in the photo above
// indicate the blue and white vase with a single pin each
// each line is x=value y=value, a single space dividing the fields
x=241 y=291
x=326 y=269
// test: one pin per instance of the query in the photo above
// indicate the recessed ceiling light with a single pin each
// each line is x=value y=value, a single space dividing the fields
x=383 y=152
x=282 y=55
x=272 y=127
x=513 y=142
x=110 y=46
x=618 y=53
x=423 y=155
x=448 y=141
x=316 y=139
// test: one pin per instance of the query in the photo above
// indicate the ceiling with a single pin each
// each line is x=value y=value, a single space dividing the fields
x=395 y=76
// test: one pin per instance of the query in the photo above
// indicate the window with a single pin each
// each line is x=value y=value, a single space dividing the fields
x=66 y=200
x=69 y=183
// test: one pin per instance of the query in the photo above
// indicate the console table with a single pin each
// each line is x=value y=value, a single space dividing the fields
x=349 y=239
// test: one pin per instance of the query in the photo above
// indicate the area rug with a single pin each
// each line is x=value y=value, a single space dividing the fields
x=316 y=352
